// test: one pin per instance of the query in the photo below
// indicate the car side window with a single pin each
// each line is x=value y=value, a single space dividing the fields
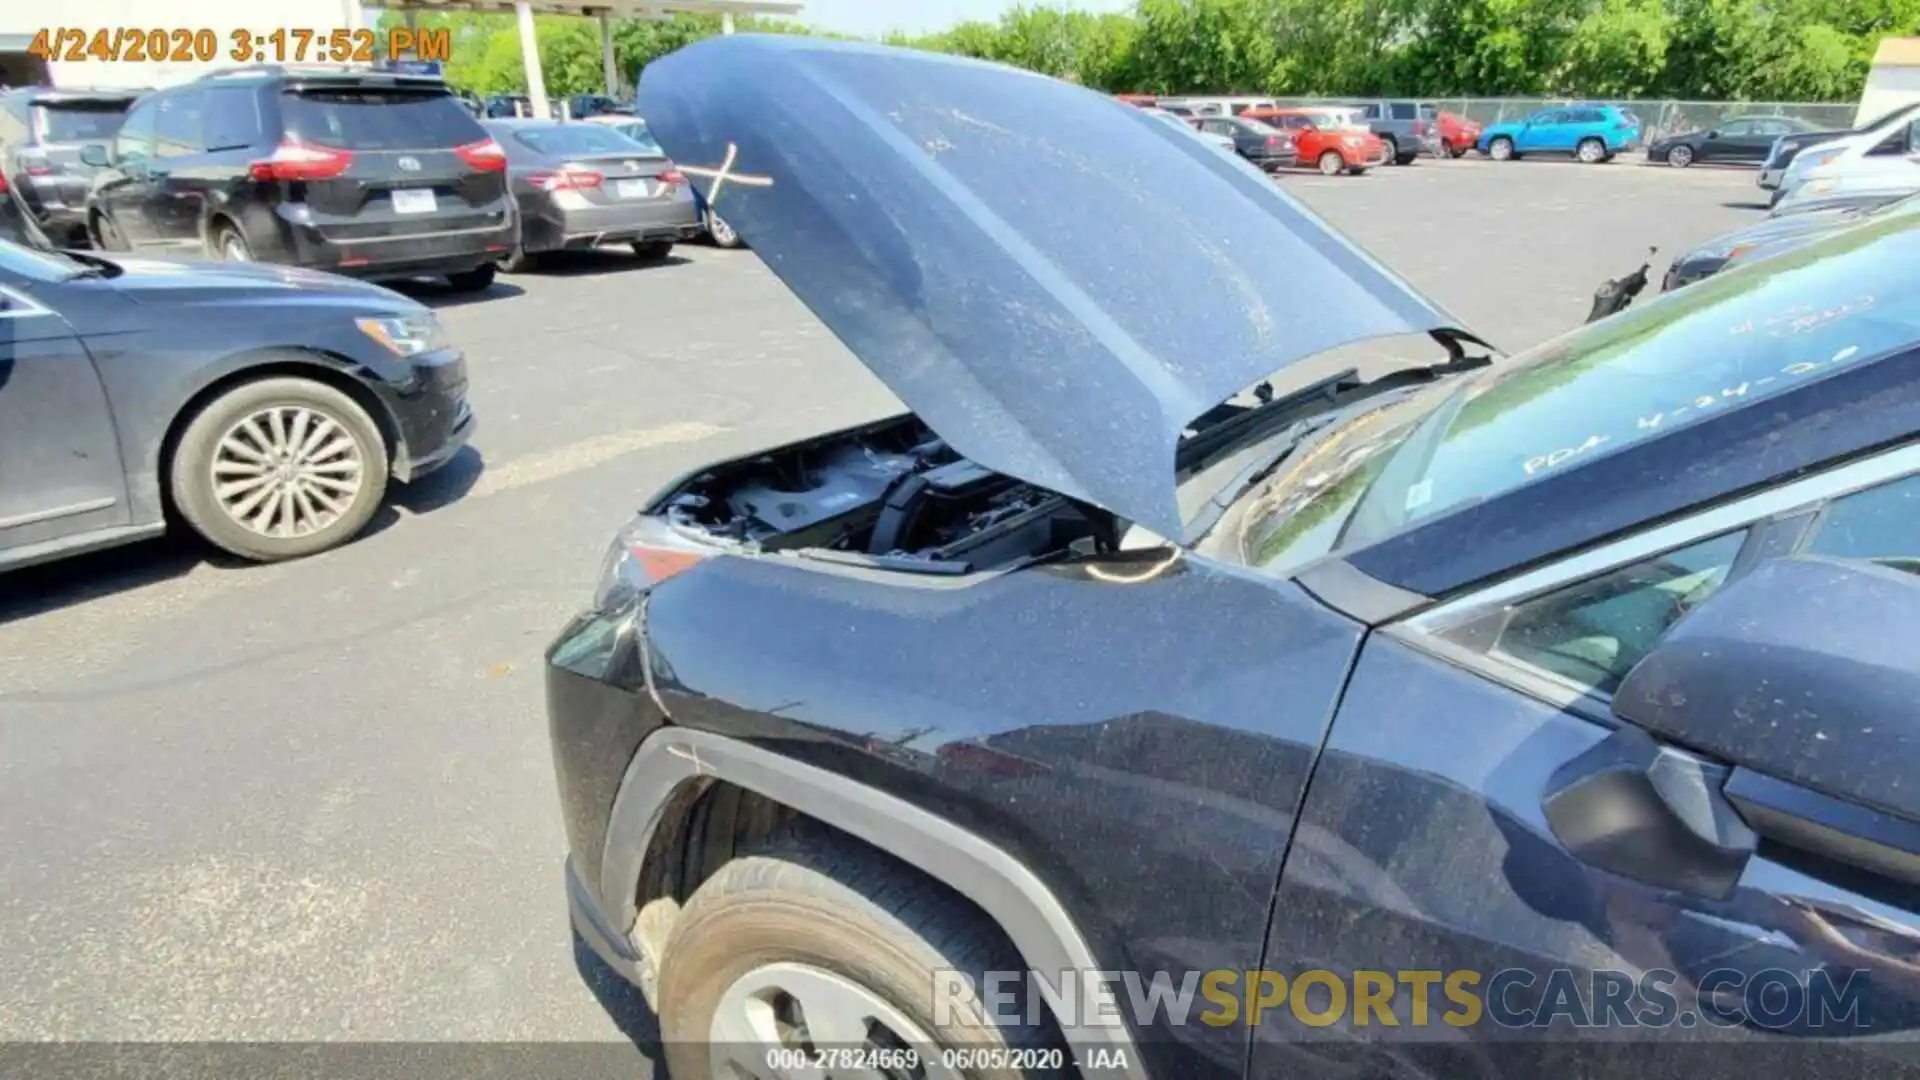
x=232 y=118
x=134 y=141
x=1737 y=129
x=1548 y=118
x=178 y=125
x=1406 y=110
x=1591 y=633
x=1879 y=524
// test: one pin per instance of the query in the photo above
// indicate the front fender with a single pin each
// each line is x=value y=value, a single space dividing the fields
x=999 y=884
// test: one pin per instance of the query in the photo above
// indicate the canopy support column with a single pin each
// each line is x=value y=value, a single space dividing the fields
x=530 y=56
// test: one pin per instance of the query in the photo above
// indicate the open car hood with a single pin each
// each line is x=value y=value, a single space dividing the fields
x=1055 y=282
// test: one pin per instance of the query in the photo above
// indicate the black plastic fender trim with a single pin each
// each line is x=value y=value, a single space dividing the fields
x=999 y=884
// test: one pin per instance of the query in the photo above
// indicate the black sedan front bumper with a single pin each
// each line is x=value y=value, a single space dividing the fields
x=431 y=415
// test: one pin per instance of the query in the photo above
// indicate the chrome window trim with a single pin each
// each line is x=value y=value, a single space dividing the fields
x=20 y=305
x=1798 y=495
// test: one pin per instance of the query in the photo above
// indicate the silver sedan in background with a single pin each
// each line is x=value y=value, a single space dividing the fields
x=580 y=185
x=635 y=128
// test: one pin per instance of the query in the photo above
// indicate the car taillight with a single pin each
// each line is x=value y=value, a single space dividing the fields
x=35 y=163
x=484 y=156
x=1419 y=127
x=672 y=176
x=567 y=180
x=300 y=161
x=1274 y=140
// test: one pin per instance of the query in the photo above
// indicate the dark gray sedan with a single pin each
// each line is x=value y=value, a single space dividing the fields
x=263 y=407
x=581 y=185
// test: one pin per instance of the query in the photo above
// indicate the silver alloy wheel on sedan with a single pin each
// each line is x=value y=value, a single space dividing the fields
x=797 y=1008
x=1591 y=151
x=287 y=471
x=1680 y=156
x=1500 y=149
x=721 y=232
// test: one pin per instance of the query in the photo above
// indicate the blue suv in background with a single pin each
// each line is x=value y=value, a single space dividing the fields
x=1591 y=133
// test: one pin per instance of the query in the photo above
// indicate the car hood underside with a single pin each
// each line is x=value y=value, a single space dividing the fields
x=1055 y=282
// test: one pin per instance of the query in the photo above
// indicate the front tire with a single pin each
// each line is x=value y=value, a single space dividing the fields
x=819 y=941
x=1393 y=150
x=1591 y=152
x=1680 y=156
x=230 y=245
x=1330 y=163
x=279 y=468
x=1501 y=149
x=106 y=236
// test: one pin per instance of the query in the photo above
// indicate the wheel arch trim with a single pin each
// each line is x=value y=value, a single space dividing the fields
x=1009 y=893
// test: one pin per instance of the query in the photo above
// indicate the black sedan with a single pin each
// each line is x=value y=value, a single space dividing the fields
x=1264 y=145
x=1568 y=694
x=1744 y=140
x=263 y=407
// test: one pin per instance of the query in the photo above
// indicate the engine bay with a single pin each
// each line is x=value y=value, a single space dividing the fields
x=892 y=494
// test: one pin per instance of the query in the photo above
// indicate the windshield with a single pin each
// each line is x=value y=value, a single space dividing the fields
x=1257 y=127
x=81 y=123
x=1339 y=121
x=1731 y=339
x=577 y=140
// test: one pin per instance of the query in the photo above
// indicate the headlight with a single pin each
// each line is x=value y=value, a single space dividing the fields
x=405 y=335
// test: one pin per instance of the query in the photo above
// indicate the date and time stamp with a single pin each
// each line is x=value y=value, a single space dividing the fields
x=204 y=45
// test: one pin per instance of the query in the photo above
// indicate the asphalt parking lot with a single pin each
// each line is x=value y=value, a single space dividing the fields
x=314 y=800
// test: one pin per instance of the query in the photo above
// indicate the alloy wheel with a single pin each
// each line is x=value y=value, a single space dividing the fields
x=233 y=248
x=721 y=232
x=1331 y=164
x=1500 y=149
x=1591 y=151
x=801 y=1010
x=287 y=471
x=1680 y=157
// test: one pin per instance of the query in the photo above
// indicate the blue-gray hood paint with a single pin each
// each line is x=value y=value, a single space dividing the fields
x=1055 y=282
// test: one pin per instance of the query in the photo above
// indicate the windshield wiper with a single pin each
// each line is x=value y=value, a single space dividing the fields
x=1226 y=428
x=91 y=266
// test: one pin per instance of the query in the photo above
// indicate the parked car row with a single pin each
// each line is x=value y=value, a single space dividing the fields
x=370 y=174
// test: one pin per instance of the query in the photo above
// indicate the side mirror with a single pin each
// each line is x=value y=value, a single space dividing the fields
x=1714 y=134
x=95 y=155
x=1805 y=674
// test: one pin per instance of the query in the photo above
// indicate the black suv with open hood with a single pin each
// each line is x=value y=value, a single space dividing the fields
x=365 y=173
x=1062 y=726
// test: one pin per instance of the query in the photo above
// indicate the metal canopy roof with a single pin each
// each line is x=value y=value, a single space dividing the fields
x=619 y=9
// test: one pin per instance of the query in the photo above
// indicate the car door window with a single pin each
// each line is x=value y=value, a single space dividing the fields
x=178 y=125
x=1591 y=633
x=1737 y=129
x=1406 y=110
x=232 y=118
x=1547 y=118
x=134 y=141
x=1880 y=525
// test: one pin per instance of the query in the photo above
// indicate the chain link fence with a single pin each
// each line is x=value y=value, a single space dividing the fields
x=1660 y=117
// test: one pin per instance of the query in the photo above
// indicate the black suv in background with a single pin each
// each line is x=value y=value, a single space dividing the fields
x=371 y=174
x=42 y=133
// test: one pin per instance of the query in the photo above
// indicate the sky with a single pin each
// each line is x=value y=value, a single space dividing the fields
x=876 y=17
